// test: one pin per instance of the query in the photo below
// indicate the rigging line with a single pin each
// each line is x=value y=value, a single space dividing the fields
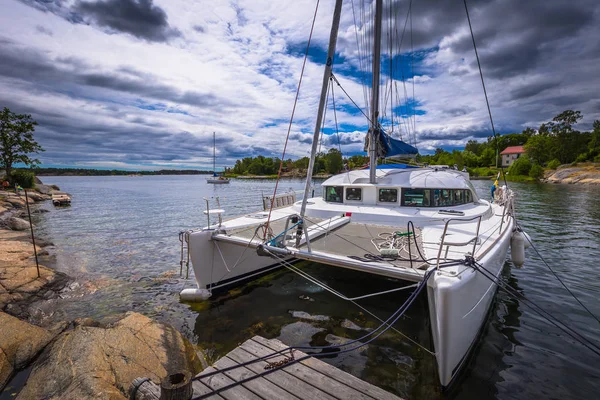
x=360 y=63
x=292 y=116
x=337 y=131
x=539 y=310
x=402 y=310
x=556 y=275
x=388 y=323
x=483 y=84
x=347 y=95
x=412 y=71
x=318 y=283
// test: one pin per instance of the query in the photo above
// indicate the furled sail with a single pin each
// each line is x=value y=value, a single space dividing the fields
x=390 y=147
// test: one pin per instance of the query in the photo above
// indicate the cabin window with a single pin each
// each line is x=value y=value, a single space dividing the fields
x=468 y=196
x=459 y=197
x=388 y=195
x=416 y=197
x=334 y=194
x=354 y=194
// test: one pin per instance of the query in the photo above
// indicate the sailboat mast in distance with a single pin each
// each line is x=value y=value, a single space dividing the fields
x=214 y=155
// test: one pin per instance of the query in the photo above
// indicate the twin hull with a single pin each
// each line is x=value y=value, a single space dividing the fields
x=458 y=305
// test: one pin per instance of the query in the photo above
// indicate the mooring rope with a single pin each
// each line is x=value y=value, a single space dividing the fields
x=532 y=305
x=388 y=323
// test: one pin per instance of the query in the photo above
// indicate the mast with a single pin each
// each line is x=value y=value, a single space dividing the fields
x=214 y=155
x=326 y=74
x=374 y=130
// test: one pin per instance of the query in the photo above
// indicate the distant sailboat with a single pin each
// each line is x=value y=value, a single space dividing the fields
x=216 y=178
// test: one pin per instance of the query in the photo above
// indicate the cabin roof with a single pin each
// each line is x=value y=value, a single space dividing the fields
x=408 y=178
x=513 y=150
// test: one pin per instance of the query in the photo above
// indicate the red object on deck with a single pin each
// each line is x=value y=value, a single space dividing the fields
x=348 y=214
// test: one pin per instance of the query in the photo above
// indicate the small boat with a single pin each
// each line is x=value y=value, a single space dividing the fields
x=61 y=199
x=216 y=178
x=421 y=226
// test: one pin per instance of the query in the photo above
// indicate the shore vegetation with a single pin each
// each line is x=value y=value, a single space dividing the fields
x=17 y=144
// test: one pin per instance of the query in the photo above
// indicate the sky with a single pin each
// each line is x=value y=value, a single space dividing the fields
x=143 y=84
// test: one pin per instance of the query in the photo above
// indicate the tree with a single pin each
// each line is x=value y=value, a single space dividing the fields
x=16 y=141
x=333 y=161
x=521 y=166
x=538 y=148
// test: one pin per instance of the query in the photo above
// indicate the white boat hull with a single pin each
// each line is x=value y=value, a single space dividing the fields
x=219 y=265
x=458 y=307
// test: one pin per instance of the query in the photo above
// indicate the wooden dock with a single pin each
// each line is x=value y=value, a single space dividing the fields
x=306 y=380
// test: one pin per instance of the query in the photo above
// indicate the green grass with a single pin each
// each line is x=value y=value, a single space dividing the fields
x=519 y=178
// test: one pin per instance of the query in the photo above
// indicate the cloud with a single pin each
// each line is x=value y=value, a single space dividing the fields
x=140 y=18
x=148 y=82
x=43 y=30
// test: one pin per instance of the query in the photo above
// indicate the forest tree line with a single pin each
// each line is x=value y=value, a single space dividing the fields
x=554 y=143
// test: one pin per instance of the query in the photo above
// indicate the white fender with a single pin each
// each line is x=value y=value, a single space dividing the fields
x=517 y=248
x=194 y=294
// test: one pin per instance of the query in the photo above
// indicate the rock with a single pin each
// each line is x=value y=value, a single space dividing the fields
x=17 y=224
x=19 y=281
x=352 y=326
x=19 y=343
x=54 y=187
x=34 y=196
x=15 y=201
x=37 y=181
x=43 y=189
x=96 y=362
x=3 y=209
x=307 y=316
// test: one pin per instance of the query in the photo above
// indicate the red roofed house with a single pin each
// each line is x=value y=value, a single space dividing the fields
x=510 y=154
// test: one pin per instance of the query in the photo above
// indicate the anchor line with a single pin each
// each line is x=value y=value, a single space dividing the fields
x=556 y=275
x=578 y=337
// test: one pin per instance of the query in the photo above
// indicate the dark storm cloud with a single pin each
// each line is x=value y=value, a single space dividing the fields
x=139 y=18
x=460 y=134
x=122 y=135
x=33 y=66
x=513 y=36
x=533 y=88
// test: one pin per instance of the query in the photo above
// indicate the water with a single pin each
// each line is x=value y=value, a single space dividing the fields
x=119 y=239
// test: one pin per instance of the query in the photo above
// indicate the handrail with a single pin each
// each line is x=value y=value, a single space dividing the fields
x=446 y=230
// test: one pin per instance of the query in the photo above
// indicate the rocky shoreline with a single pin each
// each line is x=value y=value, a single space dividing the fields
x=583 y=174
x=71 y=359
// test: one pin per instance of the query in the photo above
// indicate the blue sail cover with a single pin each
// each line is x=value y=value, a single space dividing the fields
x=393 y=147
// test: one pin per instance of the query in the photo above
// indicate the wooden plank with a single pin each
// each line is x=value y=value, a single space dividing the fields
x=220 y=380
x=333 y=372
x=280 y=378
x=309 y=375
x=201 y=389
x=260 y=386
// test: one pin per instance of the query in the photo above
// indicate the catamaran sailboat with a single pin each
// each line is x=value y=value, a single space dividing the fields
x=217 y=179
x=410 y=223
